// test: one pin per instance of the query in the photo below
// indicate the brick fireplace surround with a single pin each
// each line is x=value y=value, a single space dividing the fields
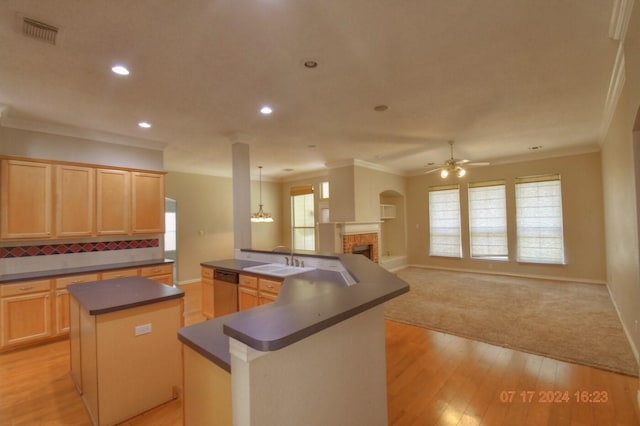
x=351 y=240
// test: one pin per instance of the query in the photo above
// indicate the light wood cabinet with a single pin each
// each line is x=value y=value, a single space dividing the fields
x=147 y=203
x=207 y=292
x=161 y=273
x=48 y=199
x=61 y=301
x=268 y=290
x=75 y=201
x=118 y=273
x=113 y=197
x=26 y=314
x=26 y=203
x=247 y=292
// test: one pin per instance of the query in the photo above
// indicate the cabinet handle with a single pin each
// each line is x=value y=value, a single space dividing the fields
x=26 y=288
x=270 y=286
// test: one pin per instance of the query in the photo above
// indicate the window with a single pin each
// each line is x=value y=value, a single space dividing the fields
x=324 y=190
x=488 y=220
x=444 y=222
x=303 y=218
x=539 y=219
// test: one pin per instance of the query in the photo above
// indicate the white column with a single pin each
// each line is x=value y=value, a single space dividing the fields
x=241 y=196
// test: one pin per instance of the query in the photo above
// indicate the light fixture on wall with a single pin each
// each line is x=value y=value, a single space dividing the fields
x=261 y=216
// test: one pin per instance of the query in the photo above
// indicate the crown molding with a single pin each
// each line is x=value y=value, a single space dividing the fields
x=620 y=15
x=76 y=132
x=618 y=78
x=366 y=164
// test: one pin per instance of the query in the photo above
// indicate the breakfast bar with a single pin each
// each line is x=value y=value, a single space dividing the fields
x=293 y=361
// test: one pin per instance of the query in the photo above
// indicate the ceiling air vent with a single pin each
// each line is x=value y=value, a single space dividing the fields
x=39 y=30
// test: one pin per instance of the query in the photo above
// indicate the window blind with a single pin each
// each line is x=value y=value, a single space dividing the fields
x=539 y=219
x=444 y=222
x=488 y=220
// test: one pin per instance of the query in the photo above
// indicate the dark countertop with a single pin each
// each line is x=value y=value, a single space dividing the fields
x=307 y=303
x=9 y=278
x=101 y=297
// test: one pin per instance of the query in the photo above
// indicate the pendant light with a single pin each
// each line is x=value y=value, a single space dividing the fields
x=261 y=216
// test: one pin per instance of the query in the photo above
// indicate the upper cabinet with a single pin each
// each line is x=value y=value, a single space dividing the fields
x=75 y=187
x=147 y=201
x=26 y=191
x=46 y=199
x=113 y=196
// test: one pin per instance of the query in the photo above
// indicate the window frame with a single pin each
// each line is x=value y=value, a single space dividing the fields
x=438 y=238
x=550 y=232
x=493 y=231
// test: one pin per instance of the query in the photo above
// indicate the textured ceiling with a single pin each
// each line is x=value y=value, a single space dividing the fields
x=495 y=76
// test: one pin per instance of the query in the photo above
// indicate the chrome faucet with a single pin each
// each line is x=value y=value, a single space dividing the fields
x=293 y=262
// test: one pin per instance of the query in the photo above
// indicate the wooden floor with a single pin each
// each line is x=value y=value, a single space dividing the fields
x=433 y=379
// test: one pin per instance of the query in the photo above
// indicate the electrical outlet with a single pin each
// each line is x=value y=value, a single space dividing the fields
x=142 y=329
x=636 y=325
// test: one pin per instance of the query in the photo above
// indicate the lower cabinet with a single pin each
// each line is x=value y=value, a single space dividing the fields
x=119 y=273
x=247 y=292
x=207 y=292
x=254 y=291
x=38 y=310
x=61 y=305
x=26 y=312
x=268 y=290
x=160 y=273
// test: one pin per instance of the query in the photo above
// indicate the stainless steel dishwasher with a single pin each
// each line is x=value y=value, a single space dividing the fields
x=225 y=292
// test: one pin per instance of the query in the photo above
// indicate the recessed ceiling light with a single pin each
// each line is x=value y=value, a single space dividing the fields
x=266 y=110
x=310 y=63
x=120 y=70
x=380 y=108
x=144 y=124
x=287 y=170
x=535 y=148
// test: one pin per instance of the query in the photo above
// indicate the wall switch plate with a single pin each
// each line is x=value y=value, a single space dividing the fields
x=143 y=329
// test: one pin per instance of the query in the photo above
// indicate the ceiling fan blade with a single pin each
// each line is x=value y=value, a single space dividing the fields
x=478 y=163
x=433 y=170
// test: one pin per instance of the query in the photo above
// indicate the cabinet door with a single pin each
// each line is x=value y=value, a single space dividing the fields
x=247 y=298
x=75 y=201
x=61 y=301
x=267 y=297
x=147 y=203
x=62 y=312
x=113 y=198
x=25 y=318
x=160 y=273
x=207 y=298
x=26 y=202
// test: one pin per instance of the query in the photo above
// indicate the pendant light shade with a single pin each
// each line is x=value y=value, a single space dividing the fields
x=261 y=216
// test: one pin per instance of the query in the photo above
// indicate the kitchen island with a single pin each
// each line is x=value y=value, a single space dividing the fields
x=125 y=358
x=315 y=356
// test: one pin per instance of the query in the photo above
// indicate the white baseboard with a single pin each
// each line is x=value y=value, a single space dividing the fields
x=511 y=274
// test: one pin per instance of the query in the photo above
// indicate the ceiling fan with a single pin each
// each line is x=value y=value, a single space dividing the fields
x=454 y=165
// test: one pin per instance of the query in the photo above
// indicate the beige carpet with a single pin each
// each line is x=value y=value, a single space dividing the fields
x=566 y=321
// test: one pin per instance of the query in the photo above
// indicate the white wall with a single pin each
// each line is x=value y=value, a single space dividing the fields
x=620 y=193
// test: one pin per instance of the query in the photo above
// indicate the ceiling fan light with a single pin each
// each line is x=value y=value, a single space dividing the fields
x=461 y=172
x=444 y=173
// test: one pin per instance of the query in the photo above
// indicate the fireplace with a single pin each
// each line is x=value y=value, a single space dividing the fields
x=364 y=250
x=357 y=243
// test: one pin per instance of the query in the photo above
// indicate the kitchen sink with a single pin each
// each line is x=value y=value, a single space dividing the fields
x=278 y=270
